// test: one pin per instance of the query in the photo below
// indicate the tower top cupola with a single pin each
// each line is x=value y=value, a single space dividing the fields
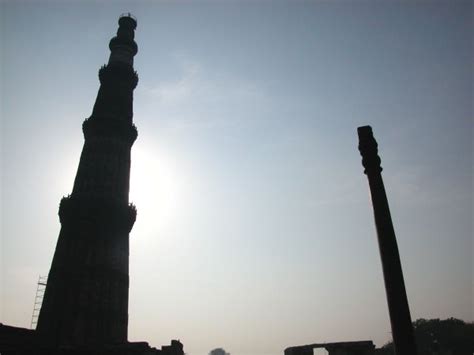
x=128 y=20
x=123 y=47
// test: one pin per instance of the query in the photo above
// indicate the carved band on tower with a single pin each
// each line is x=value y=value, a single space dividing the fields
x=86 y=299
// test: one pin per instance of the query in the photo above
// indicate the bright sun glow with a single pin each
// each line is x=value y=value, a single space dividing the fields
x=154 y=187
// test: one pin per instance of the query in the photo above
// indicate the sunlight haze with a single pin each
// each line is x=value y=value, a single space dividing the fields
x=254 y=228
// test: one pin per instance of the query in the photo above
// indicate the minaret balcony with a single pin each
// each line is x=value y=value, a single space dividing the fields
x=115 y=72
x=98 y=211
x=101 y=127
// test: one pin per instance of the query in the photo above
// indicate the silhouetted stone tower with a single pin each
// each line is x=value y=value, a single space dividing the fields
x=86 y=299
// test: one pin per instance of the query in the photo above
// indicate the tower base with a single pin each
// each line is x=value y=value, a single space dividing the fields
x=22 y=341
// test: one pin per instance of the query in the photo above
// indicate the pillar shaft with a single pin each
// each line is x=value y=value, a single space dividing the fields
x=402 y=329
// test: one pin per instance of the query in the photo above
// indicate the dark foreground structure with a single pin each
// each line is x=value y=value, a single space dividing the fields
x=402 y=329
x=85 y=305
x=365 y=347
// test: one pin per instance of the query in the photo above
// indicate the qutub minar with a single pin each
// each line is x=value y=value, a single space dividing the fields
x=85 y=305
x=86 y=298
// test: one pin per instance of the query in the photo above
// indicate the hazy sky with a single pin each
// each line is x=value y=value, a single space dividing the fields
x=254 y=228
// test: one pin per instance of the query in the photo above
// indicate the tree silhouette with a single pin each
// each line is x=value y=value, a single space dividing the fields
x=218 y=351
x=434 y=335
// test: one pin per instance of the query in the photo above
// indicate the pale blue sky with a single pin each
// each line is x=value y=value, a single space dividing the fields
x=254 y=229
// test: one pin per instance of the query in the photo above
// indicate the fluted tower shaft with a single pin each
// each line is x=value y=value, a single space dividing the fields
x=86 y=298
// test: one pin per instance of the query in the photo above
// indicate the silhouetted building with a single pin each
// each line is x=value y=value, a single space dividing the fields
x=365 y=347
x=86 y=298
x=85 y=305
x=176 y=348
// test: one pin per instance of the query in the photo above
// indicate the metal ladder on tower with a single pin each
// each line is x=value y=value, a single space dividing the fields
x=40 y=288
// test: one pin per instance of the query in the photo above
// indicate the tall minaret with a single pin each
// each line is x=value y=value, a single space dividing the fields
x=86 y=298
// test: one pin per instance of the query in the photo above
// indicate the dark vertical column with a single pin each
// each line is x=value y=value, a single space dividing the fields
x=86 y=298
x=402 y=329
